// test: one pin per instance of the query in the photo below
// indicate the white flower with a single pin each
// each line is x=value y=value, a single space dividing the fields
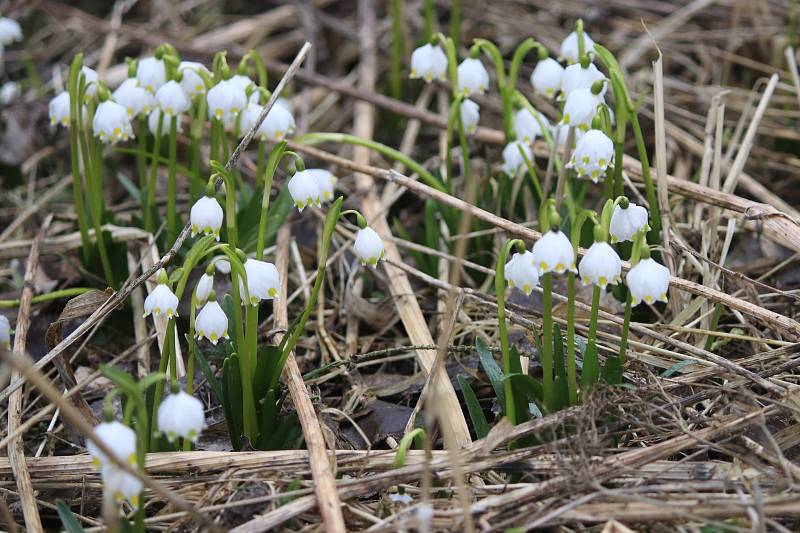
x=9 y=92
x=325 y=182
x=286 y=103
x=151 y=73
x=569 y=47
x=368 y=246
x=133 y=98
x=521 y=273
x=512 y=157
x=226 y=98
x=546 y=77
x=162 y=301
x=191 y=82
x=121 y=485
x=580 y=108
x=577 y=77
x=211 y=322
x=242 y=81
x=222 y=265
x=276 y=125
x=526 y=125
x=59 y=109
x=10 y=31
x=304 y=190
x=5 y=333
x=181 y=415
x=90 y=77
x=470 y=115
x=648 y=281
x=118 y=438
x=554 y=253
x=172 y=99
x=263 y=281
x=204 y=287
x=626 y=223
x=472 y=77
x=428 y=62
x=206 y=216
x=593 y=153
x=600 y=266
x=111 y=123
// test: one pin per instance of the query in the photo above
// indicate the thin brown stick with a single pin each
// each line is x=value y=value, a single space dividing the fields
x=16 y=447
x=324 y=483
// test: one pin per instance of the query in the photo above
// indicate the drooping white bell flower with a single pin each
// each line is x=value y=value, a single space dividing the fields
x=222 y=264
x=513 y=161
x=263 y=281
x=152 y=123
x=278 y=123
x=151 y=73
x=118 y=438
x=5 y=333
x=592 y=155
x=569 y=47
x=554 y=253
x=162 y=301
x=90 y=79
x=626 y=223
x=211 y=322
x=286 y=103
x=133 y=98
x=181 y=415
x=191 y=82
x=10 y=31
x=226 y=98
x=648 y=282
x=59 y=109
x=526 y=125
x=368 y=246
x=580 y=108
x=577 y=77
x=600 y=266
x=242 y=81
x=111 y=123
x=304 y=190
x=172 y=100
x=521 y=273
x=206 y=216
x=428 y=62
x=204 y=287
x=470 y=115
x=472 y=77
x=121 y=485
x=325 y=182
x=546 y=77
x=9 y=92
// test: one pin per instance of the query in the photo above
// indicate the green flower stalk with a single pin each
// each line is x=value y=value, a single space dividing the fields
x=75 y=99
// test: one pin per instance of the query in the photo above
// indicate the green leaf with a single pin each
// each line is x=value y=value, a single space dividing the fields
x=267 y=421
x=474 y=408
x=120 y=378
x=266 y=365
x=233 y=404
x=560 y=382
x=492 y=369
x=150 y=380
x=68 y=520
x=531 y=386
x=677 y=367
x=591 y=366
x=520 y=401
x=205 y=368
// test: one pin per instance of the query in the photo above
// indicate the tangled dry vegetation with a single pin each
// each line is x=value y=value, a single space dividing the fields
x=703 y=435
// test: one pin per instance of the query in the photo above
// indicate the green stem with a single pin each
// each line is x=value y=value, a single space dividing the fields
x=650 y=190
x=172 y=212
x=398 y=49
x=141 y=161
x=77 y=191
x=619 y=147
x=322 y=258
x=455 y=21
x=272 y=164
x=500 y=292
x=149 y=221
x=626 y=327
x=547 y=339
x=55 y=295
x=572 y=373
x=429 y=16
x=591 y=363
x=192 y=346
x=396 y=155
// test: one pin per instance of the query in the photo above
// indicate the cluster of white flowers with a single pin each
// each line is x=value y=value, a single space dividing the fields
x=121 y=440
x=647 y=280
x=311 y=186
